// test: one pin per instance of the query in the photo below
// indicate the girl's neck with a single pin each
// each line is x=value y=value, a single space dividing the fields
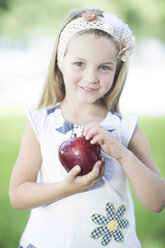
x=83 y=113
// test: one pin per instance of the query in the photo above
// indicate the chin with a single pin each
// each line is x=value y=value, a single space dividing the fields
x=88 y=100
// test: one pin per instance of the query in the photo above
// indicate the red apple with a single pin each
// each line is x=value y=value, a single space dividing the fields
x=79 y=151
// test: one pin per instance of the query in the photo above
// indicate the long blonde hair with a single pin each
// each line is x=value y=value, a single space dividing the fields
x=54 y=89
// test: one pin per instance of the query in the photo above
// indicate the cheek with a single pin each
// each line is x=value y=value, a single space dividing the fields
x=107 y=82
x=71 y=77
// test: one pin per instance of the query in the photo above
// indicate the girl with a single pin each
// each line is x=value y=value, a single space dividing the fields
x=81 y=95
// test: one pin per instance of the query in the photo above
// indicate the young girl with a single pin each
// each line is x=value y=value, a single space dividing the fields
x=81 y=95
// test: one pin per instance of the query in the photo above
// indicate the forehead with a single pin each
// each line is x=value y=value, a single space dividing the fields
x=91 y=44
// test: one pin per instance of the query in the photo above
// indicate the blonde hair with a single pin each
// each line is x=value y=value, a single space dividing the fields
x=54 y=89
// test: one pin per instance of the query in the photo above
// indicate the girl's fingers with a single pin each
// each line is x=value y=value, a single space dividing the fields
x=95 y=133
x=101 y=172
x=102 y=169
x=90 y=129
x=74 y=171
x=97 y=139
x=89 y=126
x=92 y=175
x=97 y=171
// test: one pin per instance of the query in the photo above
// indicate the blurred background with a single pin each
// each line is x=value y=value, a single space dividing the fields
x=27 y=34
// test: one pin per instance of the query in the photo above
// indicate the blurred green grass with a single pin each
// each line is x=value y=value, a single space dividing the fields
x=26 y=19
x=12 y=221
x=150 y=226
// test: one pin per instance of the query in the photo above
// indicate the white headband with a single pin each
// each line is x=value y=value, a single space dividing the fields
x=109 y=23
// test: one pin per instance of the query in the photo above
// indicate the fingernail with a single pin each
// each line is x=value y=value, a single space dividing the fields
x=77 y=167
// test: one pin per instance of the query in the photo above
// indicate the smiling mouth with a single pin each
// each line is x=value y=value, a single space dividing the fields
x=88 y=89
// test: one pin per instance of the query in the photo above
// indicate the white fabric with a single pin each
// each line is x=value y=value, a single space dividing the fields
x=67 y=223
x=109 y=23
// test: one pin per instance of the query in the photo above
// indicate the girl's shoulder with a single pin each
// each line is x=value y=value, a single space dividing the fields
x=116 y=120
x=42 y=118
x=39 y=115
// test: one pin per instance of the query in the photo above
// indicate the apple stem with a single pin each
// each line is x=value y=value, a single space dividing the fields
x=75 y=135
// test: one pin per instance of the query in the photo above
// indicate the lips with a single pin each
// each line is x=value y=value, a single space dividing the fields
x=87 y=89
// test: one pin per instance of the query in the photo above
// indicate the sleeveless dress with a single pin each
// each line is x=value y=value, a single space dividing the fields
x=102 y=216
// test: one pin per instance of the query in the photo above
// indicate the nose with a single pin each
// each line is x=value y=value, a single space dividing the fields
x=91 y=76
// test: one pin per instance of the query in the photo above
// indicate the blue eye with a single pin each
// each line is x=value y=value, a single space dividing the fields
x=104 y=68
x=79 y=64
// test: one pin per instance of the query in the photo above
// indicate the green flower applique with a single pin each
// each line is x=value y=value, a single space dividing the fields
x=110 y=225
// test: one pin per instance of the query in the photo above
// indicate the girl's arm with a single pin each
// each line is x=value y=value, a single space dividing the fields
x=25 y=193
x=142 y=173
x=137 y=164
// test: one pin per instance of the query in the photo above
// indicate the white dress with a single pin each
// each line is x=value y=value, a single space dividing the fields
x=100 y=217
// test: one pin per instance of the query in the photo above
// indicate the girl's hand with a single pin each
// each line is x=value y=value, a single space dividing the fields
x=76 y=183
x=108 y=143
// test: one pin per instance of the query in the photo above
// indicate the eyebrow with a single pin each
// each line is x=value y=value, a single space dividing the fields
x=111 y=63
x=106 y=62
x=79 y=58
